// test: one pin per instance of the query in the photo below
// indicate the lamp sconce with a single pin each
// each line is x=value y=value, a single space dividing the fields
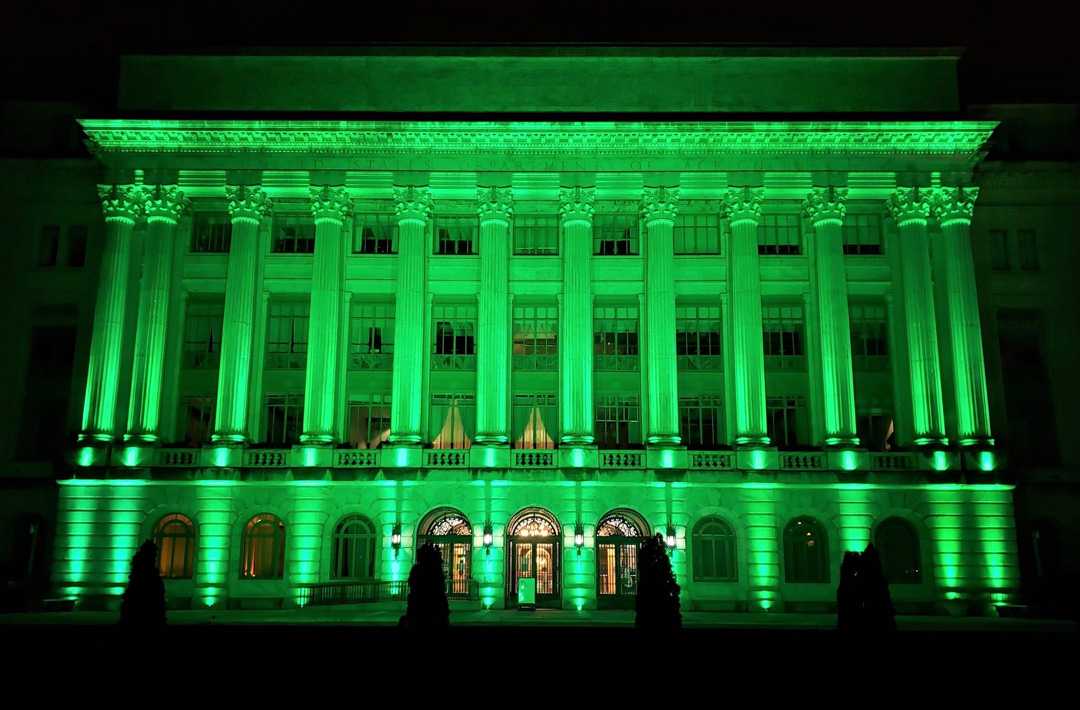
x=489 y=538
x=579 y=537
x=670 y=538
x=395 y=538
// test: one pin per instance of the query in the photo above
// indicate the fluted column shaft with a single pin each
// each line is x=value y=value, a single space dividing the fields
x=910 y=211
x=164 y=207
x=330 y=208
x=954 y=207
x=744 y=284
x=413 y=208
x=247 y=207
x=122 y=206
x=659 y=208
x=493 y=350
x=825 y=208
x=576 y=338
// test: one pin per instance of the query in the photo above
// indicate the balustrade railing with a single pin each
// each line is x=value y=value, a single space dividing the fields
x=356 y=458
x=177 y=457
x=531 y=458
x=802 y=461
x=266 y=458
x=711 y=460
x=622 y=459
x=892 y=461
x=446 y=458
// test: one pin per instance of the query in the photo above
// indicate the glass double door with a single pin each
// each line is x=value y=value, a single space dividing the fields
x=616 y=572
x=536 y=558
x=457 y=563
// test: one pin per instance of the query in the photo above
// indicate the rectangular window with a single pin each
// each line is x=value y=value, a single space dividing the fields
x=536 y=331
x=698 y=337
x=536 y=235
x=369 y=421
x=875 y=430
x=783 y=331
x=697 y=234
x=371 y=336
x=284 y=419
x=785 y=416
x=49 y=245
x=75 y=253
x=615 y=234
x=534 y=419
x=615 y=337
x=869 y=336
x=454 y=337
x=701 y=421
x=999 y=246
x=202 y=335
x=197 y=415
x=293 y=234
x=862 y=234
x=211 y=233
x=452 y=421
x=618 y=422
x=779 y=234
x=287 y=335
x=1029 y=250
x=455 y=235
x=375 y=234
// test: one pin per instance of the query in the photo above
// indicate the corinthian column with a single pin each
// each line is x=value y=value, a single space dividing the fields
x=164 y=207
x=413 y=208
x=953 y=207
x=910 y=212
x=744 y=287
x=576 y=338
x=330 y=207
x=493 y=352
x=247 y=208
x=825 y=208
x=658 y=208
x=122 y=206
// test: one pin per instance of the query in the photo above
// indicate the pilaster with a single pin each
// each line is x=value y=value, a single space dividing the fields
x=495 y=209
x=575 y=343
x=658 y=209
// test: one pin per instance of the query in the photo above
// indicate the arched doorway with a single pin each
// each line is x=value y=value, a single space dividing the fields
x=535 y=551
x=450 y=531
x=618 y=538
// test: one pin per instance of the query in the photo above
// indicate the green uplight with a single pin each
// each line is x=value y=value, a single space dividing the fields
x=577 y=457
x=85 y=456
x=309 y=456
x=849 y=460
x=221 y=456
x=940 y=461
x=667 y=458
x=986 y=461
x=130 y=457
x=758 y=459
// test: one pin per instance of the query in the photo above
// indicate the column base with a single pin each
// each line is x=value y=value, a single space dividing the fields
x=96 y=438
x=842 y=441
x=976 y=442
x=408 y=440
x=492 y=439
x=228 y=439
x=317 y=439
x=931 y=441
x=663 y=440
x=140 y=439
x=577 y=440
x=744 y=441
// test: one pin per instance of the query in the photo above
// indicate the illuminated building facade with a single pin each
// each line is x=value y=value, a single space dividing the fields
x=317 y=342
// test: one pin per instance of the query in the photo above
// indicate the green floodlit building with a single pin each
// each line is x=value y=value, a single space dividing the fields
x=530 y=304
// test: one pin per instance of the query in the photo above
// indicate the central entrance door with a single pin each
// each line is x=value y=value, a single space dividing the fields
x=450 y=531
x=618 y=538
x=535 y=553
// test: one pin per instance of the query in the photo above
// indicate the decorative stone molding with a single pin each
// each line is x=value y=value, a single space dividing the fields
x=953 y=204
x=165 y=203
x=247 y=204
x=825 y=205
x=660 y=204
x=744 y=204
x=330 y=204
x=908 y=204
x=576 y=204
x=413 y=204
x=121 y=203
x=494 y=204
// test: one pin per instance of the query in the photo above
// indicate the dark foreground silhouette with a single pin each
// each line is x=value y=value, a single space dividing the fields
x=863 y=602
x=143 y=606
x=657 y=603
x=428 y=608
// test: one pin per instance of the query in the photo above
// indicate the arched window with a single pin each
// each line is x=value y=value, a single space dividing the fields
x=175 y=540
x=264 y=548
x=450 y=531
x=806 y=552
x=713 y=547
x=898 y=545
x=353 y=551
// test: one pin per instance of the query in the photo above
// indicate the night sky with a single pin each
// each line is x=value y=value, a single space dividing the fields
x=64 y=50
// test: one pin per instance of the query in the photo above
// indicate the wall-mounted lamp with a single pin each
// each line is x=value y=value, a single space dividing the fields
x=395 y=538
x=579 y=537
x=489 y=538
x=670 y=539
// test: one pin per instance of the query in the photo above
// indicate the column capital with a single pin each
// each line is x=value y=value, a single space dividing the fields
x=330 y=204
x=953 y=204
x=576 y=204
x=413 y=204
x=165 y=203
x=825 y=205
x=122 y=203
x=908 y=204
x=659 y=204
x=744 y=204
x=494 y=204
x=247 y=203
